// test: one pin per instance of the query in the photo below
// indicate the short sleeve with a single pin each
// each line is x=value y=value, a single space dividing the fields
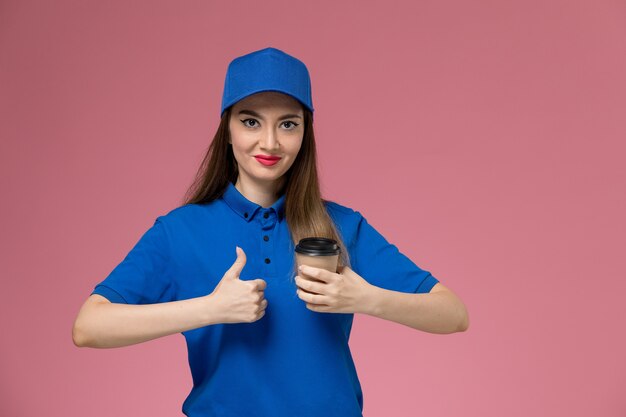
x=142 y=278
x=381 y=263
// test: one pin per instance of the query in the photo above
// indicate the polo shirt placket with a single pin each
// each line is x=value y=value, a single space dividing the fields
x=268 y=224
x=265 y=220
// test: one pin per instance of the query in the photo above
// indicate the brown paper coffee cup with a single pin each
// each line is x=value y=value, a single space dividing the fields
x=318 y=252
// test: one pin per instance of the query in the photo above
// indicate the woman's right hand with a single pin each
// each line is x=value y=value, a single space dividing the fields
x=238 y=301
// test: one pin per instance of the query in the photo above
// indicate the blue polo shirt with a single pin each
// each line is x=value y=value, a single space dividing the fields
x=292 y=361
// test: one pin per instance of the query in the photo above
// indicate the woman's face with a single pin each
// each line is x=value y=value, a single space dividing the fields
x=269 y=124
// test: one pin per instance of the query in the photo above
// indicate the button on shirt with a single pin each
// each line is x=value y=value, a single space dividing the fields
x=292 y=361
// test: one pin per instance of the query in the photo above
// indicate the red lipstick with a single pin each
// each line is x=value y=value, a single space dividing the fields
x=267 y=160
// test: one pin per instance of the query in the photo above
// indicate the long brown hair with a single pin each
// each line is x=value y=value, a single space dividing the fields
x=304 y=207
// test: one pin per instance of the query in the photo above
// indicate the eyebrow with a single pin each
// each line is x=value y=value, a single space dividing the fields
x=255 y=114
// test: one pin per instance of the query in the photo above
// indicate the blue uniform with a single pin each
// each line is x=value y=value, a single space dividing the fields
x=292 y=361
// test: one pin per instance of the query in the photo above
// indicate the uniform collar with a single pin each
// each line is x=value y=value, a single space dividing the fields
x=246 y=208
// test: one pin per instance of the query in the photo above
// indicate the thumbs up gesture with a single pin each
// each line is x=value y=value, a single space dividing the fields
x=238 y=301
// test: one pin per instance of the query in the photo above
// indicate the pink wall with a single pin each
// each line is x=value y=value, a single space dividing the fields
x=498 y=129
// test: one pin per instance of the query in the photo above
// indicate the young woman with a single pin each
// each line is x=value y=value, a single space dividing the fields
x=263 y=340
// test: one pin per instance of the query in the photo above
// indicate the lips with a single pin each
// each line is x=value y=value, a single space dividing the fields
x=268 y=157
x=267 y=162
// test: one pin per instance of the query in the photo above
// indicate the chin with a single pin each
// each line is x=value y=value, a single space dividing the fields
x=267 y=176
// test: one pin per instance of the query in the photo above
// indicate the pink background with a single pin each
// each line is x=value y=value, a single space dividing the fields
x=485 y=139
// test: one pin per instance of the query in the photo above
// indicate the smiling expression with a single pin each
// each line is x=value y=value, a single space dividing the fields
x=265 y=126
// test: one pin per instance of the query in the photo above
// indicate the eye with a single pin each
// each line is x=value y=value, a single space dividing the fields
x=292 y=123
x=249 y=120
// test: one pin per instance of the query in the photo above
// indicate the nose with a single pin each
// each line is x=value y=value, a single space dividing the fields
x=269 y=139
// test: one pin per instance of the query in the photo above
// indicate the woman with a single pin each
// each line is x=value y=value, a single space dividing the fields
x=263 y=340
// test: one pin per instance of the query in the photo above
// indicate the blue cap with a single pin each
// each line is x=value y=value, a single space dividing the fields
x=268 y=69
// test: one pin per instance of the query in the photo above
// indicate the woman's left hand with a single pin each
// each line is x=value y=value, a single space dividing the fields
x=343 y=292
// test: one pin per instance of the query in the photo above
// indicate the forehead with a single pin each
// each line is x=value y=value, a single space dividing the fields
x=267 y=99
